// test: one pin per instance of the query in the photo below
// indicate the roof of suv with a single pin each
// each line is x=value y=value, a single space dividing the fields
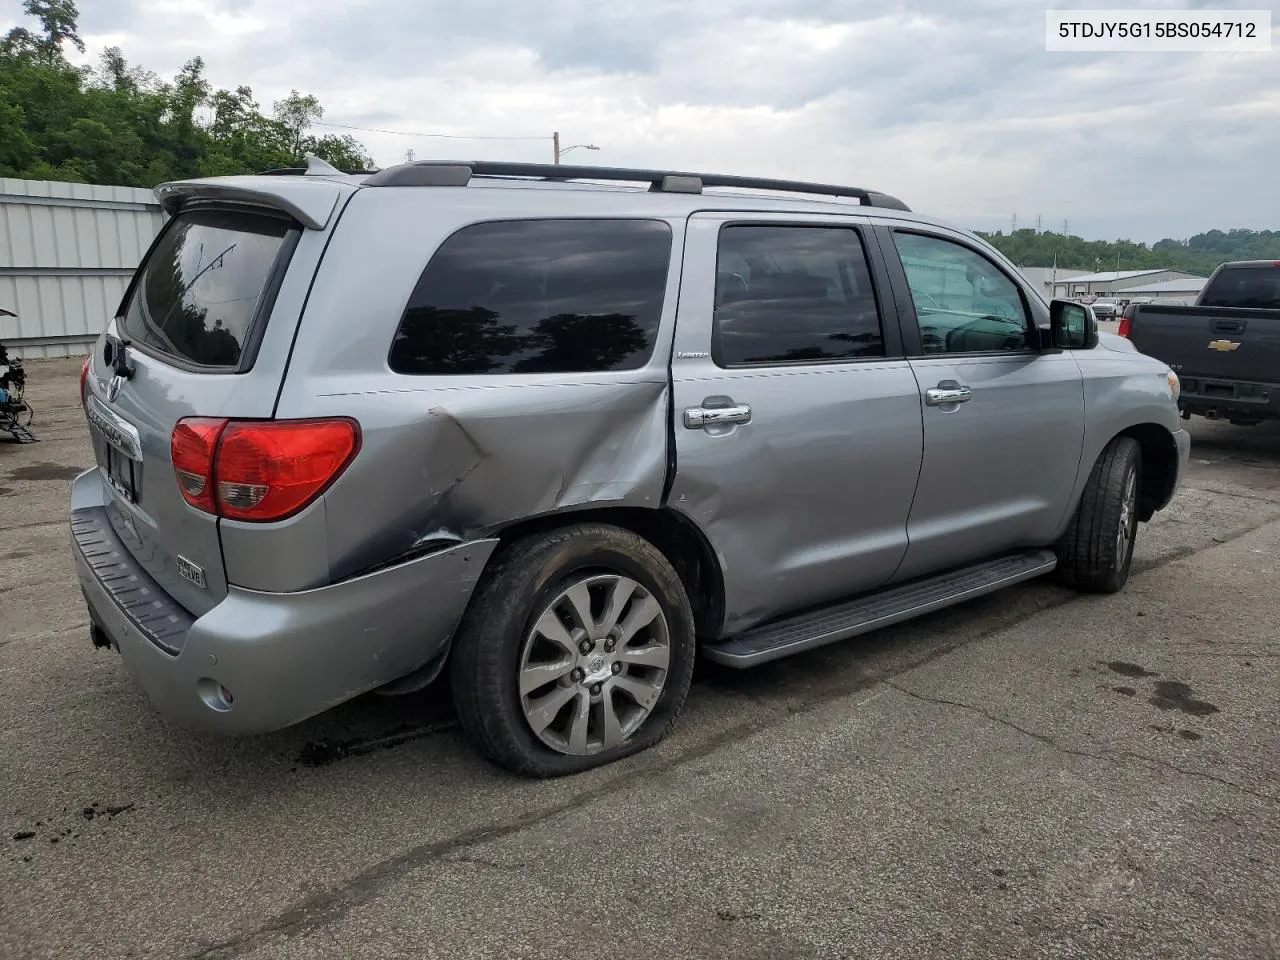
x=309 y=194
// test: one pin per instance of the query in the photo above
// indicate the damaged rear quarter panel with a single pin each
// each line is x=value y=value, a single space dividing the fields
x=451 y=458
x=461 y=463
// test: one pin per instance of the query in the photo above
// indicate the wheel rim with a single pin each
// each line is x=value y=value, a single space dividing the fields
x=594 y=664
x=1128 y=514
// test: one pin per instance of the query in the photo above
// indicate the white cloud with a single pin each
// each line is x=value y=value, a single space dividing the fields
x=957 y=108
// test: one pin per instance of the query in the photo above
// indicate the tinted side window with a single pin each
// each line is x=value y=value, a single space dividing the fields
x=1244 y=287
x=964 y=302
x=785 y=294
x=199 y=290
x=537 y=296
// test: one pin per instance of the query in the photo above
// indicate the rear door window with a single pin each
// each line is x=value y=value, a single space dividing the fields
x=537 y=296
x=201 y=291
x=792 y=294
x=1257 y=287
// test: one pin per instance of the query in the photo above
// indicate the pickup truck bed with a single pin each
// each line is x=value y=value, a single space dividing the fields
x=1228 y=357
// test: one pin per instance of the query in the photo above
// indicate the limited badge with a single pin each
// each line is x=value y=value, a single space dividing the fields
x=190 y=571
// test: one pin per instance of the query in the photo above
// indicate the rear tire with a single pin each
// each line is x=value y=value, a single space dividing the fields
x=1096 y=553
x=577 y=650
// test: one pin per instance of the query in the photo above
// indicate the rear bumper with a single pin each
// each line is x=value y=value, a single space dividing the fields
x=283 y=657
x=1229 y=399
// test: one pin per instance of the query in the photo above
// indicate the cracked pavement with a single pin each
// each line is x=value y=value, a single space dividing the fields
x=1033 y=774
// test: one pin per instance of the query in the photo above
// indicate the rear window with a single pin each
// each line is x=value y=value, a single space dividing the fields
x=537 y=296
x=1244 y=287
x=199 y=292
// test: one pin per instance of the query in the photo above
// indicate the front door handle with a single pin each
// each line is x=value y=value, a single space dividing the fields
x=695 y=418
x=940 y=396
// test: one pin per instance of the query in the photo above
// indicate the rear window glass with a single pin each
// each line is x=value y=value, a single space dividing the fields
x=199 y=290
x=537 y=296
x=1244 y=287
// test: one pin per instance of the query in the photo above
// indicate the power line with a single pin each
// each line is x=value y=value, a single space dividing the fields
x=402 y=133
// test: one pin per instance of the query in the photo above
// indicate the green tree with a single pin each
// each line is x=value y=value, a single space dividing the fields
x=297 y=112
x=58 y=23
x=345 y=153
x=1199 y=254
x=117 y=123
x=16 y=149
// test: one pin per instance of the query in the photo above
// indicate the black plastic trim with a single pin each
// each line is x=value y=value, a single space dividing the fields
x=848 y=618
x=159 y=617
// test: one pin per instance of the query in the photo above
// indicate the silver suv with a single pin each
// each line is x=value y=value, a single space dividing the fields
x=553 y=428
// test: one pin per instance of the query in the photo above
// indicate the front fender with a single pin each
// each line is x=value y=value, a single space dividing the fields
x=1129 y=393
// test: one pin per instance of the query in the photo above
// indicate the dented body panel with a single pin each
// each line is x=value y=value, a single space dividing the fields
x=461 y=457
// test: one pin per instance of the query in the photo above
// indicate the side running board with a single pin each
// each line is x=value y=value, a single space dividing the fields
x=849 y=618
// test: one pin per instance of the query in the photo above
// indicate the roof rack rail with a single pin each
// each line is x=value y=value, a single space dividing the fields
x=445 y=173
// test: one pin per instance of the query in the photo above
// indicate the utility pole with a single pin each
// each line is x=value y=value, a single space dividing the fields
x=1064 y=229
x=1015 y=223
x=555 y=140
x=1038 y=222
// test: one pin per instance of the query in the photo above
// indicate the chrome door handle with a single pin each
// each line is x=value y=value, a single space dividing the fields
x=939 y=396
x=695 y=418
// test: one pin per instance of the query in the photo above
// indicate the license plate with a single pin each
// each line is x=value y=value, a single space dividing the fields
x=122 y=474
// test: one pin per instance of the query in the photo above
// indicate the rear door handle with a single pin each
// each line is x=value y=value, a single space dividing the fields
x=940 y=396
x=695 y=418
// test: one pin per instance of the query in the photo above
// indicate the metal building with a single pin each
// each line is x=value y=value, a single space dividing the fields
x=1185 y=290
x=67 y=251
x=1116 y=283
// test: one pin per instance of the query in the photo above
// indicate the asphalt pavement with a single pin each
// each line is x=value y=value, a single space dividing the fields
x=1033 y=774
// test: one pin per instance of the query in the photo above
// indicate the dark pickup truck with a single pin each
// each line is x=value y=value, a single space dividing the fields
x=1225 y=349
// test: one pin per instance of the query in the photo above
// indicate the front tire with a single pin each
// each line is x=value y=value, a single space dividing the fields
x=577 y=650
x=1096 y=553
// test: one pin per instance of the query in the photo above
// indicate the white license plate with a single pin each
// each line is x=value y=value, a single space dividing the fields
x=122 y=474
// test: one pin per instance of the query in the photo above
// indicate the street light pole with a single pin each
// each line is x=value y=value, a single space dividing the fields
x=561 y=151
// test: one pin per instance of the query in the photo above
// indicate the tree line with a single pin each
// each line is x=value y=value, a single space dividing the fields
x=1199 y=255
x=116 y=123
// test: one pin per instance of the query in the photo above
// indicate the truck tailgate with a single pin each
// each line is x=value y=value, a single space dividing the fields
x=1213 y=342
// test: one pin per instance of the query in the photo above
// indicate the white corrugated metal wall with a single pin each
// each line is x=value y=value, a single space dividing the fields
x=67 y=251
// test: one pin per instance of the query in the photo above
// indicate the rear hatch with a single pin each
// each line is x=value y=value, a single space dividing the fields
x=188 y=342
x=1211 y=342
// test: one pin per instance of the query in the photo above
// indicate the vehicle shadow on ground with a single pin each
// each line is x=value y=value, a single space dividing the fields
x=1254 y=446
x=372 y=724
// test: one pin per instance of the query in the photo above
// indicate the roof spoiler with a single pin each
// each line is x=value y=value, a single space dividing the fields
x=310 y=202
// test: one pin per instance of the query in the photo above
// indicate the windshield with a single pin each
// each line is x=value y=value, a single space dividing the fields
x=198 y=295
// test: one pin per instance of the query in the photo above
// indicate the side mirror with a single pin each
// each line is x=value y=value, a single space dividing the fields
x=1071 y=326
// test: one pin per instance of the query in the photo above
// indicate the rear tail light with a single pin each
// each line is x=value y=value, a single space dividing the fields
x=1126 y=326
x=260 y=470
x=84 y=380
x=192 y=446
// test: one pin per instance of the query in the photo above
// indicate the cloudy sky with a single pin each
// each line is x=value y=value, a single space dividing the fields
x=954 y=105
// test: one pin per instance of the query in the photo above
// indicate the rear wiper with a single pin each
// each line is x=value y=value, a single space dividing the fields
x=216 y=261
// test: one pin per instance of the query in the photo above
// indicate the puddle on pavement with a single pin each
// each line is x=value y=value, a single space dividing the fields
x=45 y=471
